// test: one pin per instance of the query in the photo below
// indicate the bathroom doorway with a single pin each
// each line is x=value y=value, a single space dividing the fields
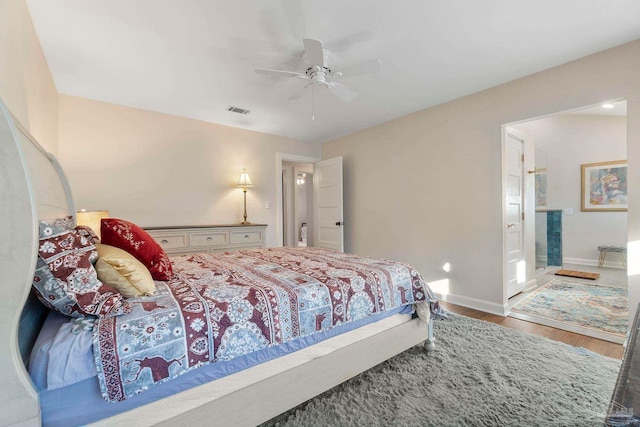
x=297 y=204
x=573 y=218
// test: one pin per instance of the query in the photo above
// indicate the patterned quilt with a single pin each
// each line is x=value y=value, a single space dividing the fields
x=220 y=306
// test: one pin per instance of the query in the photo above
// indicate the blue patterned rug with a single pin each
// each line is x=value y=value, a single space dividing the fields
x=602 y=308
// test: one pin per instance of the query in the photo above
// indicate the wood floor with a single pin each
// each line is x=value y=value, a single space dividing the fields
x=598 y=346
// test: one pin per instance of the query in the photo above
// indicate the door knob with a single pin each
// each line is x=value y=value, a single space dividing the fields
x=511 y=226
x=339 y=223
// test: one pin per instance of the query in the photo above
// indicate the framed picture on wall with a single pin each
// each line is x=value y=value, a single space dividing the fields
x=604 y=186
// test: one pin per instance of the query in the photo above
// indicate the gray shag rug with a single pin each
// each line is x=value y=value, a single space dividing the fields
x=480 y=374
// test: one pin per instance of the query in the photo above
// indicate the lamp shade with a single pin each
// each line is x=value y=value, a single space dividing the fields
x=244 y=180
x=91 y=219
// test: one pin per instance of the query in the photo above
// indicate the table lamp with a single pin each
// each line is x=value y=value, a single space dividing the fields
x=244 y=182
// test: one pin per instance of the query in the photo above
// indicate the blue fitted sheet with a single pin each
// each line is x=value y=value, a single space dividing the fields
x=82 y=402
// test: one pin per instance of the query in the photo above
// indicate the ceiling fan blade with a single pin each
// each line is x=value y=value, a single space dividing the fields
x=314 y=51
x=341 y=91
x=298 y=94
x=280 y=73
x=367 y=67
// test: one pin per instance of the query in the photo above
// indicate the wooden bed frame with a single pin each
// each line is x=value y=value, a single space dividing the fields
x=33 y=187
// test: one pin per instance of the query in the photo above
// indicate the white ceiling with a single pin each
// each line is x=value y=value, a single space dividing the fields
x=195 y=58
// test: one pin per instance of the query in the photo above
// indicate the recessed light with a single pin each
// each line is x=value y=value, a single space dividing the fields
x=607 y=106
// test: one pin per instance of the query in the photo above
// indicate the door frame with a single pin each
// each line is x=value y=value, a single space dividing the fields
x=528 y=224
x=280 y=157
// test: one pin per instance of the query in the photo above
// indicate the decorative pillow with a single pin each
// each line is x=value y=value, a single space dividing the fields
x=65 y=279
x=87 y=232
x=133 y=239
x=122 y=271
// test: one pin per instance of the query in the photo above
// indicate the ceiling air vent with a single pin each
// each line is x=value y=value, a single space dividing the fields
x=238 y=110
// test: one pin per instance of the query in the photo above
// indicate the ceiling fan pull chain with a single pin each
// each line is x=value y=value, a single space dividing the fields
x=313 y=91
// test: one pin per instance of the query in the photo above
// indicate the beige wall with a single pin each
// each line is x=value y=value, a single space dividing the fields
x=158 y=169
x=26 y=86
x=426 y=188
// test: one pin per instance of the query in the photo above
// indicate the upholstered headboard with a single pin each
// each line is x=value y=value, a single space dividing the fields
x=32 y=187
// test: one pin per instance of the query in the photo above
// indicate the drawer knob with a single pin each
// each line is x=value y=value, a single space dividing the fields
x=246 y=236
x=209 y=238
x=164 y=241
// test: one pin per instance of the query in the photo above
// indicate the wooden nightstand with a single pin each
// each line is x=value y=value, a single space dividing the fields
x=177 y=240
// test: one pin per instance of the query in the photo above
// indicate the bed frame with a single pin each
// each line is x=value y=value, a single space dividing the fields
x=33 y=187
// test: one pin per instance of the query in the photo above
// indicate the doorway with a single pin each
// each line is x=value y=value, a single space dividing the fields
x=297 y=204
x=562 y=230
x=282 y=160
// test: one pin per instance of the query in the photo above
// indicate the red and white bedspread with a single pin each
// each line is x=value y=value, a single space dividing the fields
x=220 y=306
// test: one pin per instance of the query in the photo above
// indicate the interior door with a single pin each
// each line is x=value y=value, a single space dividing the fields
x=513 y=221
x=328 y=205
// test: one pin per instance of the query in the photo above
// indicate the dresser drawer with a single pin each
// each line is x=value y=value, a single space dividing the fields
x=214 y=238
x=172 y=241
x=253 y=236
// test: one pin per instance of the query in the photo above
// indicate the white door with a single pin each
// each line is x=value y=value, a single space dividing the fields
x=327 y=204
x=513 y=220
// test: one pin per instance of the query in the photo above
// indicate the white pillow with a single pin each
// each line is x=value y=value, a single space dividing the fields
x=63 y=352
x=71 y=354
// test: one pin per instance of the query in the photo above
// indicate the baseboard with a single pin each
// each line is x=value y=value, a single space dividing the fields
x=476 y=304
x=594 y=262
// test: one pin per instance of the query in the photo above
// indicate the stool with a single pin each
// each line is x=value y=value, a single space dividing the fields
x=619 y=249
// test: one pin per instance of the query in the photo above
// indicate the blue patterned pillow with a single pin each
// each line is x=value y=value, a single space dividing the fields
x=65 y=279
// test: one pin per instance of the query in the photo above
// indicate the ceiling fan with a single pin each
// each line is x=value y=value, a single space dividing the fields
x=320 y=71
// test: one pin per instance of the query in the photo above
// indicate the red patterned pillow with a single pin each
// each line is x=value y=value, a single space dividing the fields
x=133 y=239
x=65 y=279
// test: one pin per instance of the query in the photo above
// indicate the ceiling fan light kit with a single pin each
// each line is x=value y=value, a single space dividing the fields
x=319 y=63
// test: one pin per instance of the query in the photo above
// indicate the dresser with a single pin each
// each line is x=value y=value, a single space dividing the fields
x=178 y=240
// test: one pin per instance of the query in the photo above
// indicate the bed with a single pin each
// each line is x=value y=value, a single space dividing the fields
x=33 y=188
